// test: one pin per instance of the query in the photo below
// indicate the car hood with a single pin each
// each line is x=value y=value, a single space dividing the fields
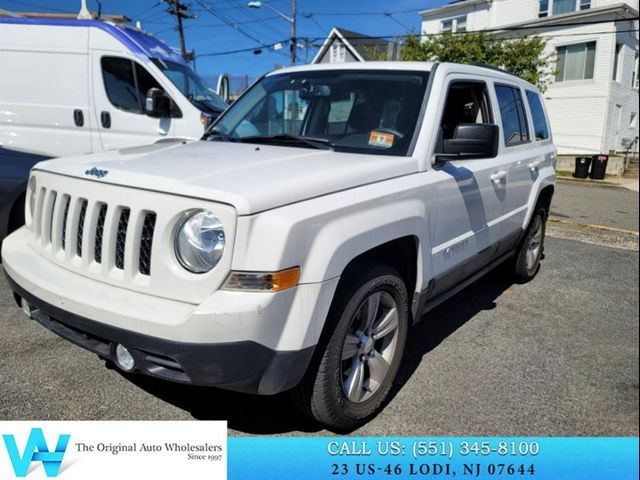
x=250 y=177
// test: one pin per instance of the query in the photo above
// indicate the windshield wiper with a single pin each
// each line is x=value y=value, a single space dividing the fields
x=319 y=143
x=214 y=133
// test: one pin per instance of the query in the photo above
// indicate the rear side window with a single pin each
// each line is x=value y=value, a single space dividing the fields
x=514 y=123
x=126 y=83
x=540 y=124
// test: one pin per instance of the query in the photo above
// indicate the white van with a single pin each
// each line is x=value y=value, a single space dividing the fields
x=70 y=87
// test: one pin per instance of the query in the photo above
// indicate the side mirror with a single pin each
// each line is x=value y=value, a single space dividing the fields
x=157 y=104
x=471 y=140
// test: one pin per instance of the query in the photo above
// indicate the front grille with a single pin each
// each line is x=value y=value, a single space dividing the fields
x=146 y=242
x=92 y=224
x=121 y=237
x=102 y=215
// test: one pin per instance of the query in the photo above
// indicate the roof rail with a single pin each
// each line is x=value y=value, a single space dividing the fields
x=495 y=68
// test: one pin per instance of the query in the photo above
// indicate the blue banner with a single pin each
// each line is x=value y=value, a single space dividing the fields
x=579 y=458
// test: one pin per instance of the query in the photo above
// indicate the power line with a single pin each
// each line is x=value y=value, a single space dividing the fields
x=390 y=15
x=181 y=12
x=241 y=50
x=309 y=16
x=147 y=10
x=228 y=21
x=229 y=52
x=26 y=4
x=248 y=13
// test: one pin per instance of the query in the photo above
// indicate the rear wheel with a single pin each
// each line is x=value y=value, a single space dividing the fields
x=359 y=355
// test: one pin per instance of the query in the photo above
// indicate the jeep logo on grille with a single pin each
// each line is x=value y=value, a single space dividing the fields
x=96 y=172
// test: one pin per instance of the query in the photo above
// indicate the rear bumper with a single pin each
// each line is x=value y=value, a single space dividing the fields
x=243 y=366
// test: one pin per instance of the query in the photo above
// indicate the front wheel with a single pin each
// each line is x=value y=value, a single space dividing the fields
x=529 y=254
x=361 y=351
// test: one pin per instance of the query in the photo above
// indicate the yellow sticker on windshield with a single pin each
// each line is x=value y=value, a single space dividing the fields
x=381 y=139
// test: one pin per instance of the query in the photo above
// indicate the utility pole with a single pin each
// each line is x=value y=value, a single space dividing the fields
x=180 y=11
x=294 y=33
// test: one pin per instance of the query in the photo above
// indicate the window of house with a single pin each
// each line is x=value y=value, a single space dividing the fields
x=544 y=8
x=563 y=6
x=633 y=120
x=575 y=62
x=447 y=26
x=634 y=77
x=461 y=24
x=585 y=4
x=540 y=125
x=338 y=52
x=453 y=25
x=618 y=61
x=512 y=113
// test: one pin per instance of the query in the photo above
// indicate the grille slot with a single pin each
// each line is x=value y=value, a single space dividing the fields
x=121 y=237
x=81 y=218
x=146 y=243
x=102 y=215
x=67 y=202
x=54 y=197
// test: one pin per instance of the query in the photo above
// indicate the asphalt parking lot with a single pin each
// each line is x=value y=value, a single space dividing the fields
x=558 y=356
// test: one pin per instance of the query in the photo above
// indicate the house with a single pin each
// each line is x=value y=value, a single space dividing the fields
x=346 y=46
x=592 y=99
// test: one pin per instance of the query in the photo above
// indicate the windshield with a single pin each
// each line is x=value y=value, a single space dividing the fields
x=191 y=86
x=359 y=111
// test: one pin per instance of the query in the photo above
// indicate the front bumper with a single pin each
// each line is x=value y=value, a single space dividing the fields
x=241 y=366
x=244 y=341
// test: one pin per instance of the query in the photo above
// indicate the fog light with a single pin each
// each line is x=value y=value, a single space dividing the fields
x=124 y=359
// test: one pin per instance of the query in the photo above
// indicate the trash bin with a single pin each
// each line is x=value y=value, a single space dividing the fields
x=599 y=167
x=582 y=167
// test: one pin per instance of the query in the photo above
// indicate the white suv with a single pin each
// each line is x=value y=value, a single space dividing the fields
x=294 y=245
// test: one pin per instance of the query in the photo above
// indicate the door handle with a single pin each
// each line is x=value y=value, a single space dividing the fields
x=78 y=118
x=534 y=165
x=498 y=176
x=105 y=119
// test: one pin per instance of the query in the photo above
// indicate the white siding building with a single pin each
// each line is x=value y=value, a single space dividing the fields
x=593 y=95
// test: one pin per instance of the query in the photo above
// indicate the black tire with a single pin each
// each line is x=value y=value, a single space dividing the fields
x=525 y=270
x=322 y=395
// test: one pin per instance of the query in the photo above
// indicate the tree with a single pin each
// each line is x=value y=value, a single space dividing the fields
x=523 y=56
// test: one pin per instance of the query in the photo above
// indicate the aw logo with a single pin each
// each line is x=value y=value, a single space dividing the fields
x=36 y=451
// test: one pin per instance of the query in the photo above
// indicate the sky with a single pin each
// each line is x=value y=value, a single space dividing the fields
x=242 y=27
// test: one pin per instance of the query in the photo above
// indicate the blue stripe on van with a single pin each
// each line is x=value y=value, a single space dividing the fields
x=137 y=42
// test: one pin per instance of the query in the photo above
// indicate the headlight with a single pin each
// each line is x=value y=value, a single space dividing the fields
x=199 y=241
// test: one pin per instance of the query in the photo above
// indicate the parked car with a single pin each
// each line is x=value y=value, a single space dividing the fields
x=292 y=248
x=71 y=87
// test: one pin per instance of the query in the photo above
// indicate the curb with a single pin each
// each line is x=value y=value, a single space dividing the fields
x=588 y=181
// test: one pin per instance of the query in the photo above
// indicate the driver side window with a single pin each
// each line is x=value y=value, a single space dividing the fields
x=126 y=83
x=467 y=102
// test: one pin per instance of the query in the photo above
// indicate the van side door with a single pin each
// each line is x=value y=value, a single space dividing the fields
x=120 y=89
x=471 y=192
x=44 y=90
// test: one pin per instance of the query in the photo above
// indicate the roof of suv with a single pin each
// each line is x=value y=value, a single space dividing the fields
x=485 y=70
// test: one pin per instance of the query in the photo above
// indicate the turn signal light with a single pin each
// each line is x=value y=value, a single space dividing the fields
x=263 y=281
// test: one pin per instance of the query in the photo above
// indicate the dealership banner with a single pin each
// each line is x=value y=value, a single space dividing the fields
x=201 y=450
x=545 y=458
x=114 y=450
